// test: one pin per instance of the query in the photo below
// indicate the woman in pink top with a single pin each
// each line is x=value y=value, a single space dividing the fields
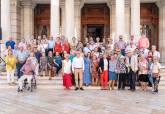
x=143 y=77
x=143 y=42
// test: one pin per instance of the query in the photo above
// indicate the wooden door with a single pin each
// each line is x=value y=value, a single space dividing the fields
x=95 y=14
x=42 y=20
x=149 y=14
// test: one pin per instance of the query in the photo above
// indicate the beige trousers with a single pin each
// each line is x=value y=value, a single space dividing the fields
x=78 y=72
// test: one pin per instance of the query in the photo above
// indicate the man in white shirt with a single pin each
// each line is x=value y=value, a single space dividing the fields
x=78 y=68
x=155 y=52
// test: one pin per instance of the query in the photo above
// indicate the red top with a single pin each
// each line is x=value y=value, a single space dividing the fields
x=66 y=47
x=58 y=47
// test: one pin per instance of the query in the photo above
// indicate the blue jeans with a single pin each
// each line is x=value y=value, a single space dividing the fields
x=150 y=79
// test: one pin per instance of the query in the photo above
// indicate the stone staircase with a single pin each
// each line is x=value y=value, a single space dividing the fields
x=56 y=82
x=42 y=82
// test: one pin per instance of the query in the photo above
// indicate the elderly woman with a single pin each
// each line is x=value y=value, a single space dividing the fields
x=143 y=70
x=103 y=70
x=28 y=71
x=87 y=68
x=10 y=60
x=112 y=72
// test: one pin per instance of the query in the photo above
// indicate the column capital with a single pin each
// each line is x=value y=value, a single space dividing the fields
x=160 y=3
x=77 y=2
x=128 y=3
x=28 y=3
x=15 y=3
x=82 y=2
x=62 y=3
x=112 y=2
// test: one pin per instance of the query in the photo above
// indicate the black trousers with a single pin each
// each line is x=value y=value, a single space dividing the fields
x=122 y=81
x=132 y=79
x=19 y=66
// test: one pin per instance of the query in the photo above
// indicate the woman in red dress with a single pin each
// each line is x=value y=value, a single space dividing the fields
x=66 y=72
x=66 y=46
x=58 y=46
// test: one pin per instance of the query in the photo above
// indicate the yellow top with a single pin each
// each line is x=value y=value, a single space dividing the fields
x=10 y=63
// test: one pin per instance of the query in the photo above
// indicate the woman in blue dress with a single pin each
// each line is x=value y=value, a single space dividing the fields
x=86 y=75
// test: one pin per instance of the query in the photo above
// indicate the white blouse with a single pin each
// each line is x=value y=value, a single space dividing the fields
x=67 y=66
x=105 y=64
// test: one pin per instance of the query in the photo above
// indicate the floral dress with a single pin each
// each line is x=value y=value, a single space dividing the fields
x=94 y=68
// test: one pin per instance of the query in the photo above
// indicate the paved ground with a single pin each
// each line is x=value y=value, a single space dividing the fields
x=53 y=101
x=50 y=98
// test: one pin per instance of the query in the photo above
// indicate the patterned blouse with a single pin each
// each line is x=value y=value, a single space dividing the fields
x=122 y=68
x=143 y=67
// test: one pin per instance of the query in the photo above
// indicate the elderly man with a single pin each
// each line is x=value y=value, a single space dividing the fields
x=132 y=64
x=78 y=69
x=155 y=52
x=21 y=58
x=121 y=44
x=10 y=42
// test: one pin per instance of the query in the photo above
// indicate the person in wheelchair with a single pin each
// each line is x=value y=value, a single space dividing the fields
x=28 y=72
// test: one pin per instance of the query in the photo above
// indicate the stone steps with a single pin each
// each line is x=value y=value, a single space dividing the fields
x=57 y=83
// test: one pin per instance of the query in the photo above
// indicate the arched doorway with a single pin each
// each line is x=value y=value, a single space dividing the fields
x=95 y=21
x=149 y=14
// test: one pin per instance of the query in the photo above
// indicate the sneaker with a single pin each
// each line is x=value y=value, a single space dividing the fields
x=81 y=89
x=153 y=90
x=76 y=88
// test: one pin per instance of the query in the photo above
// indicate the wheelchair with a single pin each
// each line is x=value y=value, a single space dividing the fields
x=25 y=85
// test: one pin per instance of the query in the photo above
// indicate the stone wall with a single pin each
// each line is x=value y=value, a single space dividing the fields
x=15 y=12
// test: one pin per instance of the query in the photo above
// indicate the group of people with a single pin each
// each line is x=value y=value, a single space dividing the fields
x=91 y=62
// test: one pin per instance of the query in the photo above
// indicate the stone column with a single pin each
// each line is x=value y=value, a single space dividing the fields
x=77 y=20
x=112 y=5
x=161 y=5
x=120 y=17
x=69 y=22
x=135 y=19
x=5 y=19
x=28 y=19
x=127 y=19
x=55 y=18
x=62 y=4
